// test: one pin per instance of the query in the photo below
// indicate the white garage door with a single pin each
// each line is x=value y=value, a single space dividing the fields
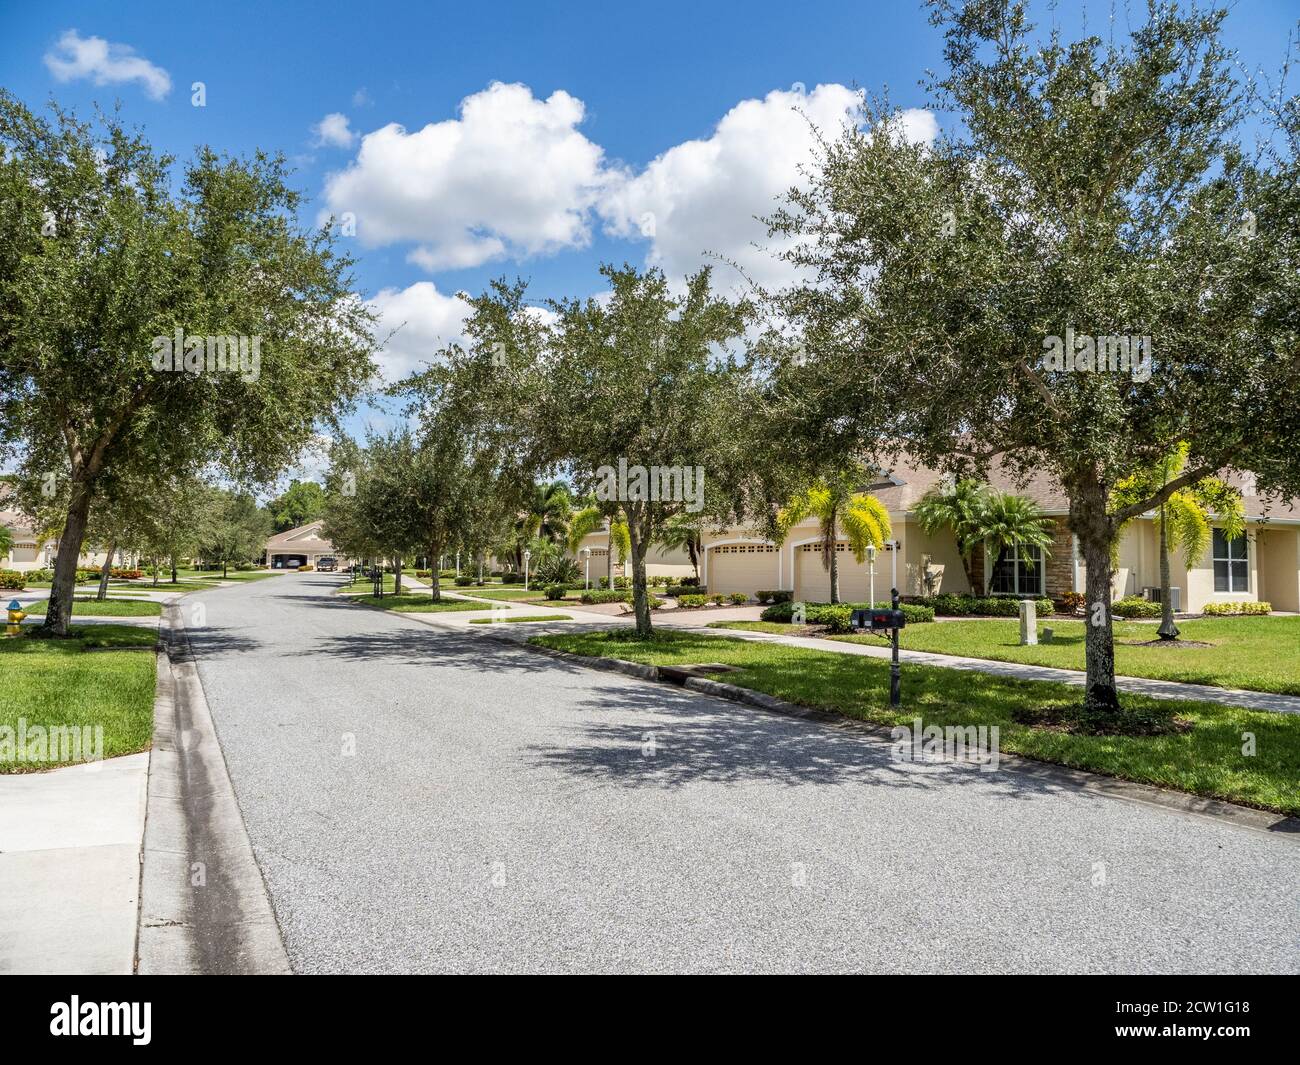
x=813 y=580
x=741 y=568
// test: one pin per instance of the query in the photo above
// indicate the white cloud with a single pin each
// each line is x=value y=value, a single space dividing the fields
x=333 y=130
x=105 y=63
x=425 y=320
x=708 y=196
x=512 y=176
x=362 y=98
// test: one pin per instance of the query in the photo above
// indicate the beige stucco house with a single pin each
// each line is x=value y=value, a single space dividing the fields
x=1264 y=564
x=29 y=552
x=303 y=546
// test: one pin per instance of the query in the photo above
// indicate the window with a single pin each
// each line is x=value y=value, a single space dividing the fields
x=1012 y=575
x=1231 y=569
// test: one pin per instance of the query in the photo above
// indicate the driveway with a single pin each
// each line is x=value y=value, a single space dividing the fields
x=428 y=798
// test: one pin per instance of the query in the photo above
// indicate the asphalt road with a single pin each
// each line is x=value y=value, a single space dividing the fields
x=503 y=811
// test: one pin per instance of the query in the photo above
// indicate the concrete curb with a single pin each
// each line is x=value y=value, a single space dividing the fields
x=204 y=907
x=1280 y=825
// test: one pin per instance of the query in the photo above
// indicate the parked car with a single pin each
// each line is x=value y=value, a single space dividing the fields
x=326 y=565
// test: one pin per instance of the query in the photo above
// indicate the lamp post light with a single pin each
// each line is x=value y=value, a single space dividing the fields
x=871 y=562
x=457 y=563
x=527 y=556
x=893 y=562
x=586 y=560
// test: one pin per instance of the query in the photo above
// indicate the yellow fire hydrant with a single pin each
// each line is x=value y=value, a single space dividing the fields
x=16 y=615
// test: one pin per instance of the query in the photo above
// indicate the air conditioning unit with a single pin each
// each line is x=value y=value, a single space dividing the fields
x=1175 y=596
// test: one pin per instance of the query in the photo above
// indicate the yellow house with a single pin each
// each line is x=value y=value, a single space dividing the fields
x=1264 y=564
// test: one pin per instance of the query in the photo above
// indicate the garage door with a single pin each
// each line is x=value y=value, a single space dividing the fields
x=813 y=580
x=741 y=568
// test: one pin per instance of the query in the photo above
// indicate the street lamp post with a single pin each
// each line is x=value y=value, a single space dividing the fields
x=457 y=563
x=871 y=563
x=893 y=563
x=586 y=559
x=527 y=556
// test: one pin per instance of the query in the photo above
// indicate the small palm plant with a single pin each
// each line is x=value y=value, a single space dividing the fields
x=836 y=506
x=1183 y=520
x=1015 y=523
x=956 y=507
x=683 y=532
x=592 y=518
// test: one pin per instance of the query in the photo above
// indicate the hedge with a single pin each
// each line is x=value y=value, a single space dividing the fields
x=1229 y=609
x=555 y=591
x=780 y=595
x=960 y=606
x=12 y=580
x=604 y=595
x=836 y=617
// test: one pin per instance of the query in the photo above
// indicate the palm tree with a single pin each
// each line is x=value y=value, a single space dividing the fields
x=546 y=517
x=1183 y=520
x=1016 y=523
x=590 y=519
x=683 y=532
x=956 y=507
x=836 y=506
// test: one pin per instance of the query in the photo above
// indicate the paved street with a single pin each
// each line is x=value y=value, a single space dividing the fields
x=505 y=811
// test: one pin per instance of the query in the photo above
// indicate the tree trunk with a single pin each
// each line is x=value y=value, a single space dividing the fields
x=968 y=567
x=173 y=569
x=695 y=558
x=59 y=612
x=435 y=577
x=640 y=600
x=609 y=561
x=835 y=574
x=1090 y=522
x=105 y=571
x=397 y=576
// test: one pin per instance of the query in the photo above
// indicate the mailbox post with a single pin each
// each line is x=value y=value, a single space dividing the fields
x=881 y=622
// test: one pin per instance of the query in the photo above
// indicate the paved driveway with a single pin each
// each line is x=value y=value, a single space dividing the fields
x=436 y=800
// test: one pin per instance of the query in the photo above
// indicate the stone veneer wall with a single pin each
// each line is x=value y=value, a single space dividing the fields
x=1060 y=562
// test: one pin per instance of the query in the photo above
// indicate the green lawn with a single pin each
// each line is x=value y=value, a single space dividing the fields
x=1207 y=760
x=1257 y=653
x=517 y=620
x=417 y=603
x=52 y=683
x=501 y=591
x=89 y=607
x=364 y=586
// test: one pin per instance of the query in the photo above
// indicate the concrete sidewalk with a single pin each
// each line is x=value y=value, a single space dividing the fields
x=70 y=867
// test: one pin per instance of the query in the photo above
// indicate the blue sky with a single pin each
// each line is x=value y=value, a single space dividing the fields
x=613 y=132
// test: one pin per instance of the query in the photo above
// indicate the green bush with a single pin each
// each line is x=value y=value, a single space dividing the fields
x=555 y=591
x=464 y=582
x=12 y=580
x=1134 y=606
x=779 y=595
x=37 y=575
x=604 y=595
x=619 y=582
x=678 y=590
x=739 y=598
x=692 y=602
x=512 y=578
x=423 y=574
x=961 y=606
x=1229 y=609
x=830 y=615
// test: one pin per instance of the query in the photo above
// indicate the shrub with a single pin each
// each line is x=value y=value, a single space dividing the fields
x=423 y=574
x=780 y=595
x=739 y=598
x=555 y=591
x=512 y=578
x=37 y=575
x=619 y=582
x=830 y=615
x=1229 y=609
x=12 y=580
x=692 y=602
x=997 y=606
x=243 y=567
x=557 y=570
x=678 y=590
x=135 y=574
x=717 y=599
x=1072 y=602
x=1134 y=606
x=306 y=569
x=464 y=582
x=604 y=595
x=656 y=602
x=691 y=582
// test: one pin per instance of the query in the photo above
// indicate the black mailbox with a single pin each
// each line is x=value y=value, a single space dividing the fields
x=878 y=620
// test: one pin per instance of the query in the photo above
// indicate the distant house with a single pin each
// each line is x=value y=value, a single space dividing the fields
x=29 y=552
x=303 y=546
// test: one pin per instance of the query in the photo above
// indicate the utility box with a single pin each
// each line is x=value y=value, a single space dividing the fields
x=1028 y=623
